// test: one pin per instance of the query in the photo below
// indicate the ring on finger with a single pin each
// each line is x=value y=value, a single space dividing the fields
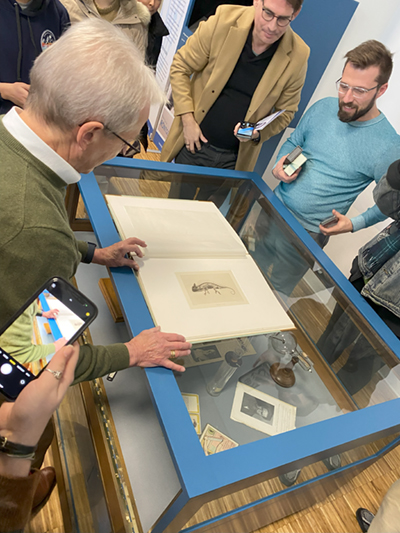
x=173 y=354
x=56 y=373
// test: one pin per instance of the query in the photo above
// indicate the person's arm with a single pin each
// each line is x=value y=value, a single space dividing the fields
x=148 y=349
x=297 y=138
x=191 y=58
x=114 y=255
x=372 y=215
x=16 y=93
x=22 y=422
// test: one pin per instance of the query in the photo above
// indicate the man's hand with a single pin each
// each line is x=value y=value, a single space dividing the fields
x=15 y=92
x=114 y=255
x=59 y=343
x=343 y=225
x=24 y=420
x=254 y=136
x=50 y=314
x=281 y=175
x=192 y=133
x=154 y=348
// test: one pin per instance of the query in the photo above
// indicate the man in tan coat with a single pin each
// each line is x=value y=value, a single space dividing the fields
x=242 y=64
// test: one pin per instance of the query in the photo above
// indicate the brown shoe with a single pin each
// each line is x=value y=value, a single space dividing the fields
x=47 y=482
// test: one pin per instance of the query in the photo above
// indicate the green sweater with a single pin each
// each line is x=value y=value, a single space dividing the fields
x=17 y=339
x=37 y=243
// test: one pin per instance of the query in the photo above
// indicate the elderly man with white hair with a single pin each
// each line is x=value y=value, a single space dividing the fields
x=89 y=92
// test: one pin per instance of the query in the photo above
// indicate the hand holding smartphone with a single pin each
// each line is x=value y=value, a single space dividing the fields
x=294 y=161
x=245 y=130
x=75 y=313
x=330 y=221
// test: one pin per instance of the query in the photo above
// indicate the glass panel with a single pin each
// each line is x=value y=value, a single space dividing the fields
x=277 y=484
x=158 y=184
x=337 y=364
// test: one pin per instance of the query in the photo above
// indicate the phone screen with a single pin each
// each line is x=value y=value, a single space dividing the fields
x=245 y=130
x=56 y=315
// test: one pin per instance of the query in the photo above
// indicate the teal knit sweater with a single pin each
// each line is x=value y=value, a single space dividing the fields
x=342 y=160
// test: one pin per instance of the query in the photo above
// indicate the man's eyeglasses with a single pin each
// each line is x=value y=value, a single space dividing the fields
x=269 y=15
x=133 y=148
x=357 y=92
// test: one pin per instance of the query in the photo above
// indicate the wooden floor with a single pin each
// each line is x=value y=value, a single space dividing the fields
x=336 y=514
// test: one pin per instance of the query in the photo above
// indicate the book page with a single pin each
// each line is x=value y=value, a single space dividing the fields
x=218 y=298
x=175 y=228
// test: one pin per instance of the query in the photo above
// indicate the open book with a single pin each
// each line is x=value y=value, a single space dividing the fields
x=197 y=276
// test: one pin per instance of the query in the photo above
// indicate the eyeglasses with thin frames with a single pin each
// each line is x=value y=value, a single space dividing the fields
x=132 y=149
x=357 y=92
x=269 y=15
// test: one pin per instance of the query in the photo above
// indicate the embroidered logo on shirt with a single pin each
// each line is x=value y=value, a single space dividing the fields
x=47 y=39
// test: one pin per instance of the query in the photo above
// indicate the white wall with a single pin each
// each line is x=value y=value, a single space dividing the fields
x=372 y=20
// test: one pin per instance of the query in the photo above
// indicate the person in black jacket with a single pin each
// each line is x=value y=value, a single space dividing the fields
x=157 y=30
x=26 y=29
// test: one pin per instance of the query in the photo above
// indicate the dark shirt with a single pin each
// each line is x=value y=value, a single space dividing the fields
x=157 y=30
x=232 y=104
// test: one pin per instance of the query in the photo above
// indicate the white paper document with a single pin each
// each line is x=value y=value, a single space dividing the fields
x=262 y=411
x=263 y=123
x=197 y=276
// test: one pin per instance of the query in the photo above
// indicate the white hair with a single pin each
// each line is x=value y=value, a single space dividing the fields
x=93 y=72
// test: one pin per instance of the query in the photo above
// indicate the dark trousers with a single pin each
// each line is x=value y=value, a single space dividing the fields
x=278 y=257
x=342 y=333
x=207 y=156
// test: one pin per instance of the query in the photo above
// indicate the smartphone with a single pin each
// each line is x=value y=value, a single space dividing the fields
x=330 y=221
x=55 y=311
x=294 y=154
x=245 y=130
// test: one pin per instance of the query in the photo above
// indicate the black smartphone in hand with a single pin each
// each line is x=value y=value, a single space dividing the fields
x=245 y=130
x=56 y=314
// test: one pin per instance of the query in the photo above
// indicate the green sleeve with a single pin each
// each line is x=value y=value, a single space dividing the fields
x=97 y=361
x=82 y=248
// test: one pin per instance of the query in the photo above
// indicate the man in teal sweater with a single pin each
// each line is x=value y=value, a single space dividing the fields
x=78 y=108
x=348 y=143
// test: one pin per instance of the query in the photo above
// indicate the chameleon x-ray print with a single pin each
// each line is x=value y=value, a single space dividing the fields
x=211 y=289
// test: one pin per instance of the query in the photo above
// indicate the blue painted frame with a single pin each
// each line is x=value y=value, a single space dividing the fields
x=55 y=330
x=267 y=455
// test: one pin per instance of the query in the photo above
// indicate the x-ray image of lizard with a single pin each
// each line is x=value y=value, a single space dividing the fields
x=207 y=286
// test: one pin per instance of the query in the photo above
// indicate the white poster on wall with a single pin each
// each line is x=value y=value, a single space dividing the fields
x=173 y=13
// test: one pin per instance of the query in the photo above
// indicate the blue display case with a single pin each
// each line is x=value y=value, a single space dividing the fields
x=347 y=405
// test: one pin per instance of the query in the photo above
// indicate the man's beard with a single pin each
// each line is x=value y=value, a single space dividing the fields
x=360 y=112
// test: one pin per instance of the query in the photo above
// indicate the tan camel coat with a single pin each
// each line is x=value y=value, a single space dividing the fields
x=211 y=54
